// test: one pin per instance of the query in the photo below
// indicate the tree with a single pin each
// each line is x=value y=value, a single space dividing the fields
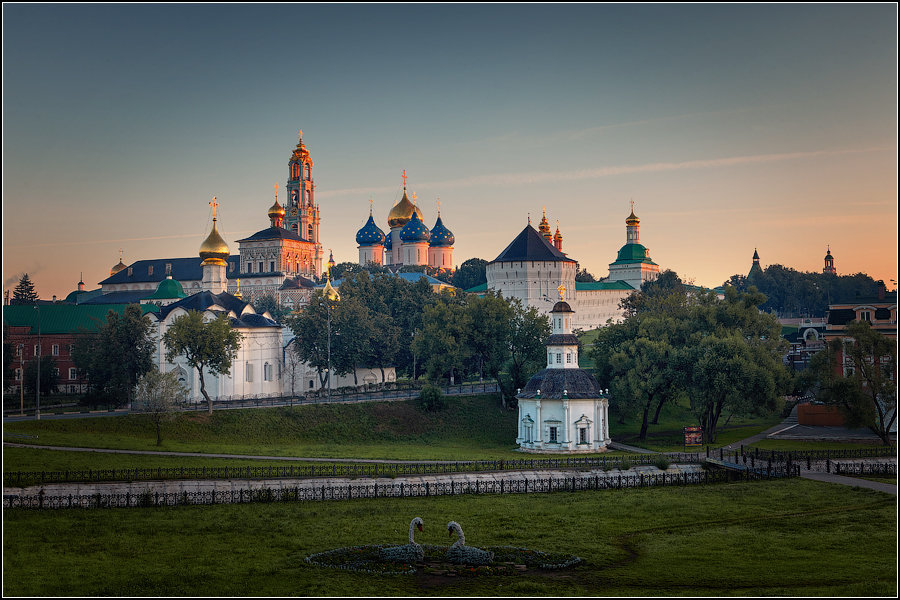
x=491 y=319
x=310 y=327
x=858 y=374
x=24 y=292
x=528 y=332
x=442 y=342
x=470 y=274
x=269 y=303
x=115 y=356
x=208 y=346
x=158 y=395
x=49 y=375
x=583 y=275
x=9 y=357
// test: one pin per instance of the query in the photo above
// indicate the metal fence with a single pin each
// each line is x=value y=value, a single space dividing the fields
x=888 y=469
x=353 y=491
x=22 y=478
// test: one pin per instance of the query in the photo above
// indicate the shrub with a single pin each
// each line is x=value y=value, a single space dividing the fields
x=431 y=398
x=624 y=464
x=661 y=462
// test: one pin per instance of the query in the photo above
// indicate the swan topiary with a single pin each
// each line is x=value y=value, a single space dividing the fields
x=461 y=554
x=408 y=553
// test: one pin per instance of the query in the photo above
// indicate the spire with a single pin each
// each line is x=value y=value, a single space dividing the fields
x=544 y=227
x=557 y=238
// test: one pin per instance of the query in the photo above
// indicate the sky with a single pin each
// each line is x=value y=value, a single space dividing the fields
x=732 y=128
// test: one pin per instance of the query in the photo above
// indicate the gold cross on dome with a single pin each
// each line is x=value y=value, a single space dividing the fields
x=562 y=292
x=632 y=206
x=404 y=178
x=439 y=205
x=276 y=192
x=214 y=204
x=371 y=205
x=120 y=255
x=300 y=133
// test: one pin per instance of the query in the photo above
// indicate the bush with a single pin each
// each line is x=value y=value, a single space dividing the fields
x=661 y=462
x=624 y=464
x=431 y=398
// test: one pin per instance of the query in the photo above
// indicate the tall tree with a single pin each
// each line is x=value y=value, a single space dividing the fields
x=159 y=395
x=208 y=346
x=858 y=374
x=528 y=332
x=9 y=358
x=442 y=342
x=24 y=292
x=115 y=356
x=491 y=319
x=269 y=303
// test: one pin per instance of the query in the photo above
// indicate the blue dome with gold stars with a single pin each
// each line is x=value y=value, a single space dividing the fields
x=415 y=230
x=370 y=234
x=440 y=235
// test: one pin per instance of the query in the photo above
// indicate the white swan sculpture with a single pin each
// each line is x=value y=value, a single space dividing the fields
x=408 y=553
x=461 y=554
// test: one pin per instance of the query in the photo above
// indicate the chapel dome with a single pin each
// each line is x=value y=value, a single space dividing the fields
x=402 y=212
x=632 y=219
x=117 y=267
x=414 y=230
x=370 y=234
x=276 y=211
x=562 y=307
x=168 y=288
x=214 y=247
x=440 y=235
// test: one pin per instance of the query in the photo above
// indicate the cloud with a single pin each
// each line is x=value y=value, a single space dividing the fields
x=528 y=178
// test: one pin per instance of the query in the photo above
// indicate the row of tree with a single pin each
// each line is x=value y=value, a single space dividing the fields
x=382 y=321
x=796 y=293
x=724 y=356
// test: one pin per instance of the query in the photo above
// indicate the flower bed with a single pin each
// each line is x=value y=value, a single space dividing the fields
x=508 y=560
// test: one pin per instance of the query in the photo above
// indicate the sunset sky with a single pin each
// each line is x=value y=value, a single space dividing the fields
x=731 y=127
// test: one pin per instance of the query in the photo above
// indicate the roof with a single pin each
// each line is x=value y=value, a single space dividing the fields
x=78 y=297
x=297 y=283
x=183 y=269
x=168 y=288
x=530 y=245
x=205 y=300
x=124 y=297
x=482 y=287
x=274 y=233
x=562 y=339
x=64 y=318
x=410 y=277
x=577 y=383
x=602 y=285
x=633 y=253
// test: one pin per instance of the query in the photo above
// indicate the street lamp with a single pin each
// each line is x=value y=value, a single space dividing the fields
x=330 y=294
x=22 y=379
x=37 y=388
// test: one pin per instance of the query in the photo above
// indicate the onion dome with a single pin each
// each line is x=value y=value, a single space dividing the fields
x=276 y=211
x=414 y=230
x=402 y=212
x=544 y=227
x=440 y=235
x=370 y=234
x=329 y=292
x=117 y=267
x=300 y=153
x=388 y=244
x=632 y=218
x=214 y=248
x=557 y=237
x=828 y=254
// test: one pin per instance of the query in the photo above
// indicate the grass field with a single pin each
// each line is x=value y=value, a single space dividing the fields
x=787 y=538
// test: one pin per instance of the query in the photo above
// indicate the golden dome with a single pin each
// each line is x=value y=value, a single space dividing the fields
x=329 y=292
x=277 y=210
x=116 y=268
x=402 y=212
x=214 y=248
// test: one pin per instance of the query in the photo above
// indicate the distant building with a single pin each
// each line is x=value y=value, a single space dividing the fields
x=880 y=311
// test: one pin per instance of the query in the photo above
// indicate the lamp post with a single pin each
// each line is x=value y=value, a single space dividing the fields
x=22 y=379
x=329 y=294
x=37 y=388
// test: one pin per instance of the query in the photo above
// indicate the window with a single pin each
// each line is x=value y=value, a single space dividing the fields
x=582 y=435
x=71 y=349
x=18 y=374
x=55 y=350
x=271 y=266
x=553 y=435
x=248 y=372
x=19 y=350
x=37 y=350
x=150 y=270
x=559 y=358
x=55 y=372
x=168 y=268
x=549 y=359
x=310 y=384
x=261 y=266
x=130 y=271
x=73 y=373
x=865 y=315
x=267 y=372
x=568 y=358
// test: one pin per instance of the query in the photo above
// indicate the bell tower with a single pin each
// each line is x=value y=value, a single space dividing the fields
x=302 y=212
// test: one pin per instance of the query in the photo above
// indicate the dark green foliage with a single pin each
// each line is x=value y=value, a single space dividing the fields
x=432 y=399
x=24 y=292
x=9 y=360
x=794 y=293
x=49 y=375
x=583 y=275
x=268 y=302
x=661 y=462
x=116 y=355
x=471 y=273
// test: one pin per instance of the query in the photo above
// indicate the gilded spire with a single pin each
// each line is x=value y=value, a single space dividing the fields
x=214 y=250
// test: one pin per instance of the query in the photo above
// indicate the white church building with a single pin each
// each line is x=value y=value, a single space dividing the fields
x=562 y=408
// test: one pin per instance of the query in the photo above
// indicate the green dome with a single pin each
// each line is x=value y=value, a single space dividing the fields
x=631 y=253
x=168 y=288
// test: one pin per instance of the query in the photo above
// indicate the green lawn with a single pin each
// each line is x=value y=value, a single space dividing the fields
x=776 y=538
